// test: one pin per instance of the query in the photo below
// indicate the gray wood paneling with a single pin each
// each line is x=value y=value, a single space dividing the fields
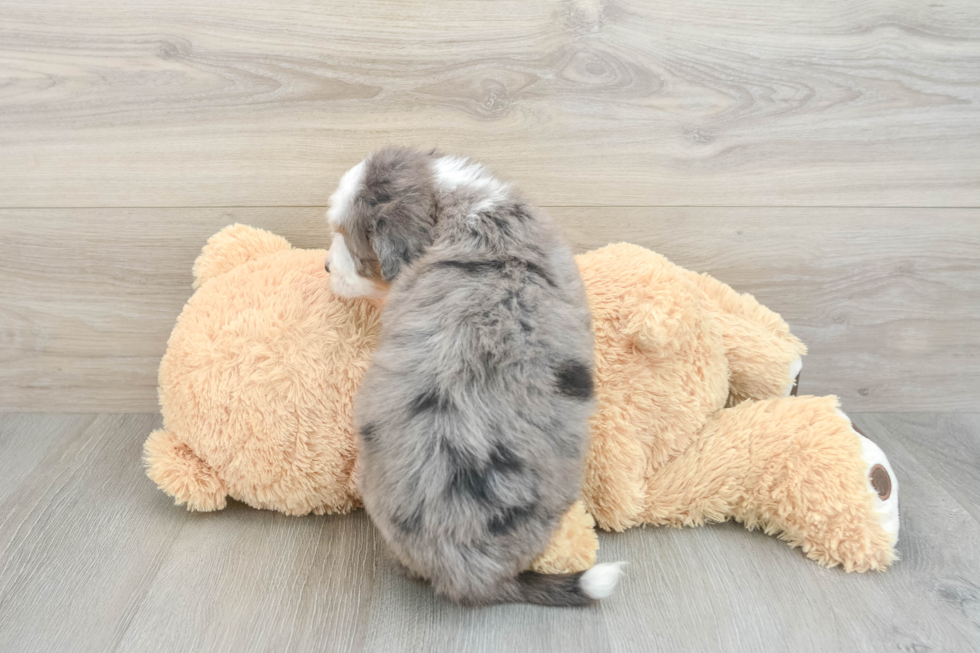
x=888 y=300
x=585 y=102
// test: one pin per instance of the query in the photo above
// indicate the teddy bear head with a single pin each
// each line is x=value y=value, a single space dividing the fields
x=261 y=370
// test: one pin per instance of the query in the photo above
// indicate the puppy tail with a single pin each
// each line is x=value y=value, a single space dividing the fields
x=570 y=589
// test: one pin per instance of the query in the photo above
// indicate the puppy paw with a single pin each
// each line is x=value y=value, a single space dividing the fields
x=407 y=573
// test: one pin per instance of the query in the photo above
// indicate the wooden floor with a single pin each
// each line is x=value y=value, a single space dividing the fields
x=95 y=558
x=824 y=156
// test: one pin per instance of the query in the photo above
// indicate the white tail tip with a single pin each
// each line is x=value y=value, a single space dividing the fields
x=600 y=581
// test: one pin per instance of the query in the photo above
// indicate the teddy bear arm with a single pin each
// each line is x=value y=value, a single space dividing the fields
x=794 y=467
x=763 y=356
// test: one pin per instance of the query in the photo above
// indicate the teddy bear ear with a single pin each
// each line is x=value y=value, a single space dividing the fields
x=232 y=246
x=662 y=322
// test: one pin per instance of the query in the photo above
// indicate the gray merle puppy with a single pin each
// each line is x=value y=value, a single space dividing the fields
x=473 y=416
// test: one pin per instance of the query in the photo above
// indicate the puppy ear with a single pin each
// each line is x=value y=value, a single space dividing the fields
x=401 y=235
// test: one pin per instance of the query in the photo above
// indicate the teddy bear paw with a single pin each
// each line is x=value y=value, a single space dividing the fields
x=881 y=480
x=794 y=373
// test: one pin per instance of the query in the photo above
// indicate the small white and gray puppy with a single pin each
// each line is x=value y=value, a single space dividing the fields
x=473 y=418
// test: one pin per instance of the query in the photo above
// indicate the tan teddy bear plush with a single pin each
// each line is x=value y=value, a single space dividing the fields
x=694 y=421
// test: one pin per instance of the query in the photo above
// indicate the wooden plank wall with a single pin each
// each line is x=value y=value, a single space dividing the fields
x=824 y=156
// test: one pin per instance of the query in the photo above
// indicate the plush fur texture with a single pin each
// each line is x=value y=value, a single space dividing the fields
x=260 y=374
x=473 y=417
x=245 y=356
x=754 y=473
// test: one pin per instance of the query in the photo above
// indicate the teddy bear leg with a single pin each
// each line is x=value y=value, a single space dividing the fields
x=573 y=546
x=764 y=358
x=881 y=480
x=180 y=473
x=793 y=467
x=812 y=483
